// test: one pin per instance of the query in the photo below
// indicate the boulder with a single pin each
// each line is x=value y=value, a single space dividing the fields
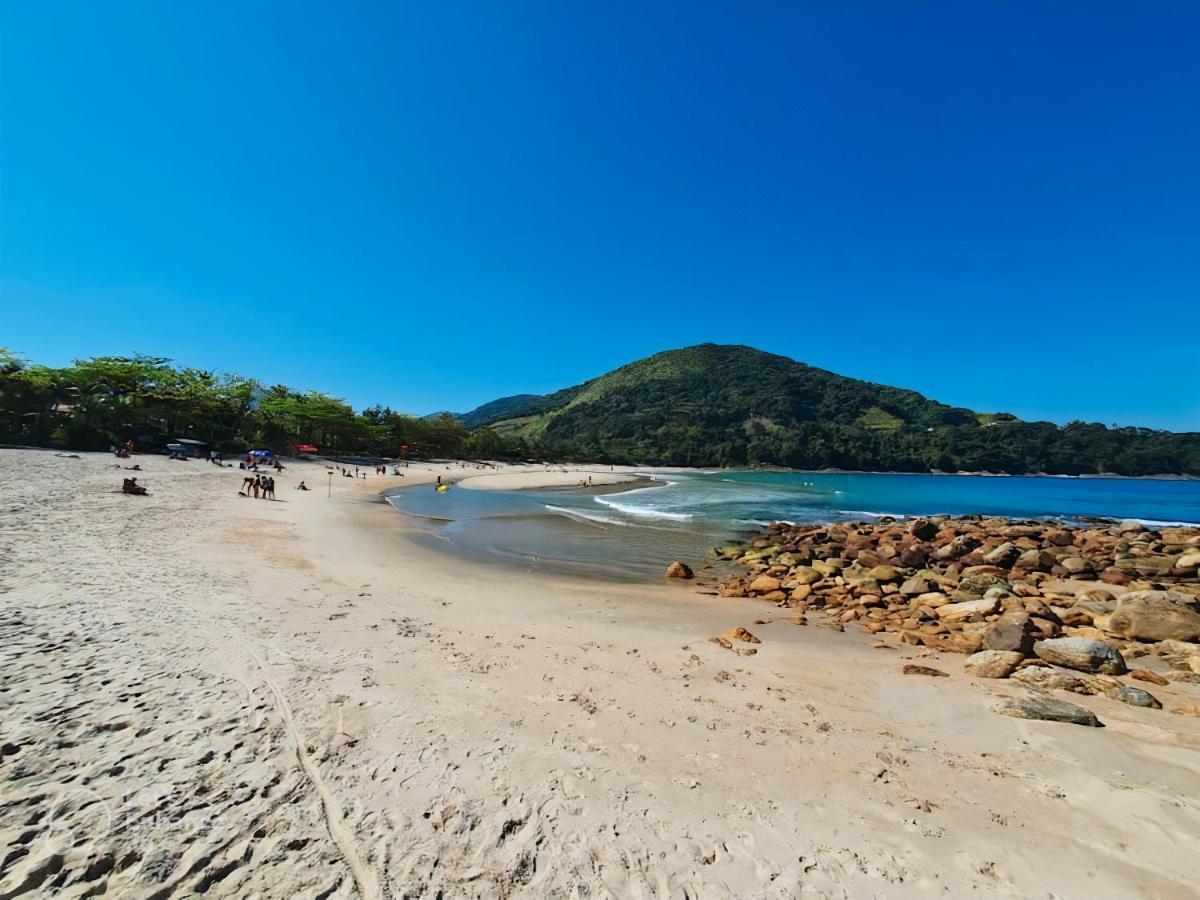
x=764 y=584
x=1180 y=655
x=1075 y=565
x=1083 y=654
x=1003 y=556
x=811 y=574
x=1051 y=679
x=679 y=569
x=1131 y=695
x=1155 y=616
x=1188 y=561
x=923 y=529
x=977 y=584
x=918 y=584
x=961 y=612
x=1039 y=705
x=959 y=547
x=993 y=663
x=1036 y=559
x=1013 y=631
x=933 y=599
x=884 y=573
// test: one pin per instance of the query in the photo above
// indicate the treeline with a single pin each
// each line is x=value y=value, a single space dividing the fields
x=97 y=402
x=1012 y=447
x=707 y=406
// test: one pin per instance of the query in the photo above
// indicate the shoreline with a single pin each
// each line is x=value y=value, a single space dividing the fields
x=285 y=698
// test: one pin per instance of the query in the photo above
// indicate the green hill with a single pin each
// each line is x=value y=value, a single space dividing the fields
x=713 y=405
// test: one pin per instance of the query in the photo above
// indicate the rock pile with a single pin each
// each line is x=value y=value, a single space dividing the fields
x=1021 y=597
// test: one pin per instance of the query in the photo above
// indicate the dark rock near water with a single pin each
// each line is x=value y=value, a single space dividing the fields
x=679 y=569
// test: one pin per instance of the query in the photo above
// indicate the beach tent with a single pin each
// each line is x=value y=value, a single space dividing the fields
x=305 y=448
x=262 y=454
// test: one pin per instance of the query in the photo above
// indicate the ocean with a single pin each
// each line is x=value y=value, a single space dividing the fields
x=633 y=531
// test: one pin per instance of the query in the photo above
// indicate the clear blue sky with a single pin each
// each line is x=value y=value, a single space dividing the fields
x=432 y=205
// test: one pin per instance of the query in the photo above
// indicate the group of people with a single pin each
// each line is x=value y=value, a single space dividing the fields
x=258 y=486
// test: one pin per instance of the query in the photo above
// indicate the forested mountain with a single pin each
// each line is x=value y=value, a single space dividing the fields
x=489 y=411
x=719 y=405
x=709 y=405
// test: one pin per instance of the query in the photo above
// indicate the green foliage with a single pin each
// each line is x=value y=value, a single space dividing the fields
x=715 y=405
x=95 y=402
x=701 y=406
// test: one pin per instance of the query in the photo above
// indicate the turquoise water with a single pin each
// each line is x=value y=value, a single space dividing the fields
x=635 y=530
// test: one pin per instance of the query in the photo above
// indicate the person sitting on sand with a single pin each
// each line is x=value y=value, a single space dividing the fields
x=302 y=486
x=130 y=486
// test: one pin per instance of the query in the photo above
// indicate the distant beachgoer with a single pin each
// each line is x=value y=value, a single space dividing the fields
x=130 y=486
x=269 y=482
x=302 y=486
x=246 y=484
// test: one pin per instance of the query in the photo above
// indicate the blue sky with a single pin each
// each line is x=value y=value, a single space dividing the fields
x=433 y=205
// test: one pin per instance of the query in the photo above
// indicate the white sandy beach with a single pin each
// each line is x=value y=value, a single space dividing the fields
x=208 y=693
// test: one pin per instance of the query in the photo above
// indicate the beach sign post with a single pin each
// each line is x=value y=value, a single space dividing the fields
x=329 y=490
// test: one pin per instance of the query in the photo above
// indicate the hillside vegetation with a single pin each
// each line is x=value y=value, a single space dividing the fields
x=701 y=406
x=716 y=405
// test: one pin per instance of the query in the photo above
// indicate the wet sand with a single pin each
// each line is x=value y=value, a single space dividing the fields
x=204 y=692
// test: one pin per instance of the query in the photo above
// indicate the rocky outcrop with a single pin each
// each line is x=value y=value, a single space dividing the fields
x=1055 y=608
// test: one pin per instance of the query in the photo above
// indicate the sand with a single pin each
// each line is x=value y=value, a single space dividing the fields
x=204 y=692
x=524 y=479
